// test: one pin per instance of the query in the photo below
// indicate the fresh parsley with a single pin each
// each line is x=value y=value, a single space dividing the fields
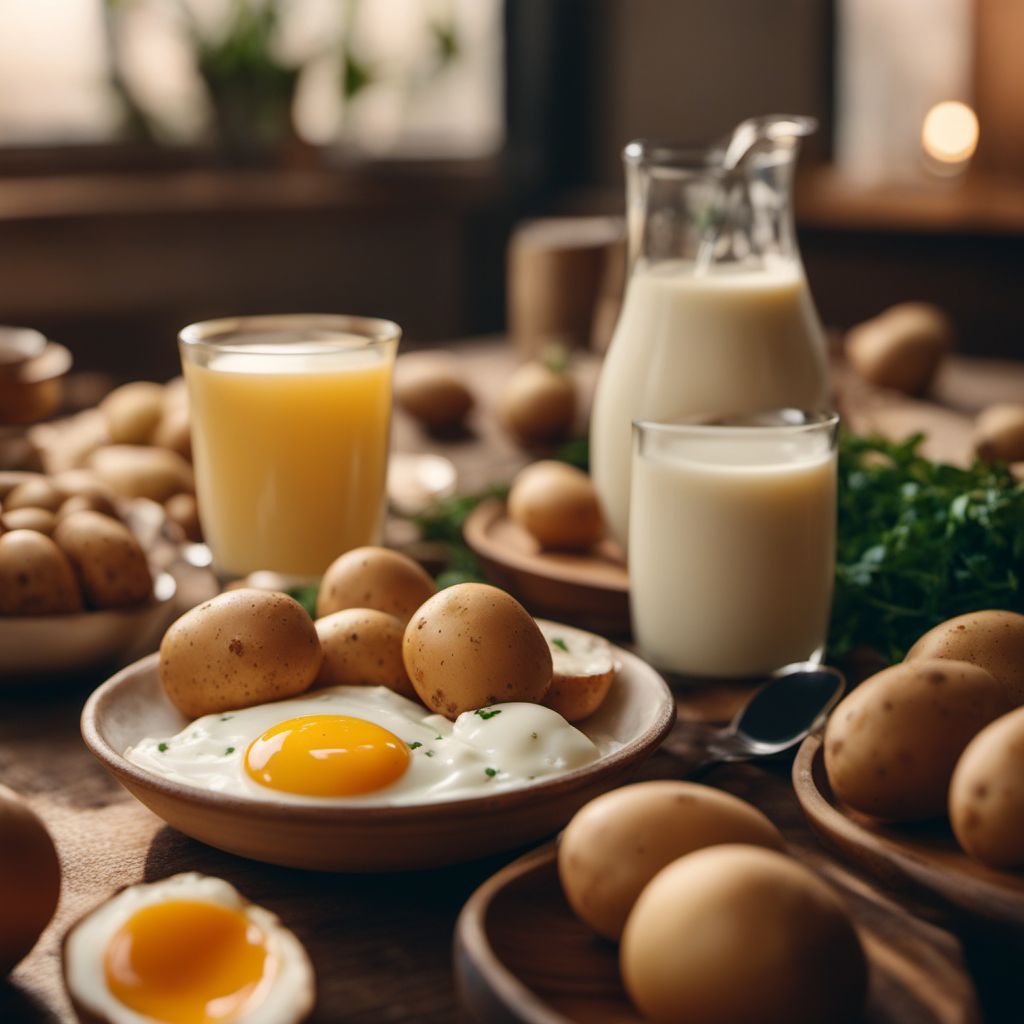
x=558 y=642
x=162 y=747
x=490 y=772
x=920 y=542
x=486 y=713
x=230 y=750
x=415 y=745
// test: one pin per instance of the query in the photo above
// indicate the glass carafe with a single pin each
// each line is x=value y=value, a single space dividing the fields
x=717 y=318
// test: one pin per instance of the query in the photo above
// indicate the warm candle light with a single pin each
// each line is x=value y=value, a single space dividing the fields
x=949 y=133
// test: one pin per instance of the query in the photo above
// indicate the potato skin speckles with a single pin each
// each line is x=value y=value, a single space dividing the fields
x=241 y=648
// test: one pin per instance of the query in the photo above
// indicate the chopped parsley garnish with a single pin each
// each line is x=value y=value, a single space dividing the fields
x=162 y=747
x=558 y=642
x=438 y=737
x=226 y=718
x=415 y=745
x=490 y=772
x=230 y=750
x=486 y=713
x=533 y=735
x=428 y=753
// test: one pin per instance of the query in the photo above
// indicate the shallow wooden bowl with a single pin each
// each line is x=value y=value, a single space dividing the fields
x=921 y=856
x=589 y=589
x=359 y=836
x=523 y=957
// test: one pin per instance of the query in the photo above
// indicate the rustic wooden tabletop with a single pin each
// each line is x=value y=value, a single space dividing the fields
x=381 y=945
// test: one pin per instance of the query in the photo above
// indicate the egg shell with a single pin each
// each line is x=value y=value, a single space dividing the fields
x=538 y=404
x=41 y=520
x=29 y=878
x=372 y=577
x=241 y=648
x=38 y=492
x=584 y=669
x=472 y=645
x=288 y=1000
x=138 y=471
x=739 y=933
x=892 y=744
x=557 y=504
x=108 y=560
x=992 y=639
x=36 y=577
x=363 y=647
x=619 y=841
x=986 y=794
x=133 y=411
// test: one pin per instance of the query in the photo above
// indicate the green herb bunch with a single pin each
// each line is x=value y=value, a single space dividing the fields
x=920 y=542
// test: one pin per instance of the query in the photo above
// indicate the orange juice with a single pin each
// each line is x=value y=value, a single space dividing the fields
x=290 y=447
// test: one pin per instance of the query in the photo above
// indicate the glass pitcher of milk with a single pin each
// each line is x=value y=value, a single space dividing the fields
x=717 y=318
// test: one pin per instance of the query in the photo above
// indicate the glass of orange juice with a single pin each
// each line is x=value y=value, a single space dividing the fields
x=291 y=417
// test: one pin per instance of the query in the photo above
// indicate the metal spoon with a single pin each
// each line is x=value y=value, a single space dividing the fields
x=793 y=703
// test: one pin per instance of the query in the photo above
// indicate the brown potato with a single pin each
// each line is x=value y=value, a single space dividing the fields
x=986 y=794
x=584 y=669
x=363 y=647
x=88 y=503
x=29 y=878
x=992 y=639
x=183 y=510
x=619 y=841
x=430 y=387
x=472 y=645
x=892 y=744
x=241 y=648
x=133 y=411
x=36 y=493
x=999 y=433
x=557 y=504
x=538 y=404
x=39 y=519
x=36 y=577
x=174 y=431
x=374 y=578
x=108 y=560
x=739 y=933
x=133 y=471
x=901 y=348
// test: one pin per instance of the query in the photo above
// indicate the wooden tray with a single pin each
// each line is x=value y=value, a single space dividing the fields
x=523 y=957
x=924 y=856
x=590 y=590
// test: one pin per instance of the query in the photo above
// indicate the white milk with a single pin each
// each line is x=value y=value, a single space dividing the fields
x=732 y=553
x=719 y=343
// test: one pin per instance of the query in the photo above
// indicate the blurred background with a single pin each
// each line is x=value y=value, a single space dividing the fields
x=163 y=161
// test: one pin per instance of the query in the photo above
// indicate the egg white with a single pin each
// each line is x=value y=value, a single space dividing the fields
x=494 y=748
x=286 y=995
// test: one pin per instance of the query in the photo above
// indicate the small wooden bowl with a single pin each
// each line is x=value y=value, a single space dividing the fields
x=32 y=390
x=362 y=836
x=588 y=589
x=523 y=957
x=922 y=856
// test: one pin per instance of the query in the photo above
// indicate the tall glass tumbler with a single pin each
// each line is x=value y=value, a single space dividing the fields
x=732 y=541
x=291 y=418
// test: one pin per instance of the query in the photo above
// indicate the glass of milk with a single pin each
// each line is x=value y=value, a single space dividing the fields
x=732 y=532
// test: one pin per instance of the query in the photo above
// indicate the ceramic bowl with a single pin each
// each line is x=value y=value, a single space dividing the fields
x=369 y=837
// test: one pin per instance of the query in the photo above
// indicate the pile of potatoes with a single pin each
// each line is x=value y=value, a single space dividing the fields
x=938 y=733
x=380 y=622
x=64 y=548
x=714 y=921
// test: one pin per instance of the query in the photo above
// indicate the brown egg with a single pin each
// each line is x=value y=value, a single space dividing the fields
x=538 y=404
x=740 y=933
x=558 y=505
x=108 y=560
x=373 y=577
x=472 y=645
x=139 y=471
x=992 y=639
x=39 y=519
x=431 y=387
x=619 y=841
x=892 y=744
x=36 y=577
x=363 y=647
x=38 y=492
x=133 y=411
x=241 y=648
x=29 y=878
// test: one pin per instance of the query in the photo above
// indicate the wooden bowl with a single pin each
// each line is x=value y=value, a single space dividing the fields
x=33 y=389
x=523 y=957
x=922 y=856
x=363 y=836
x=589 y=589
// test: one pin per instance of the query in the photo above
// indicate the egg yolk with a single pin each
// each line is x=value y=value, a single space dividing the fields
x=187 y=962
x=326 y=755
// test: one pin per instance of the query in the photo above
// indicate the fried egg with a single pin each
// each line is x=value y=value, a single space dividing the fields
x=186 y=950
x=366 y=743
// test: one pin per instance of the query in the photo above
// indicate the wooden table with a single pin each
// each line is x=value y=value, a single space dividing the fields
x=381 y=945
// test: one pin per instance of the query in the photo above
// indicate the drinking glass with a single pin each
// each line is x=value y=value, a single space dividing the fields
x=732 y=541
x=290 y=427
